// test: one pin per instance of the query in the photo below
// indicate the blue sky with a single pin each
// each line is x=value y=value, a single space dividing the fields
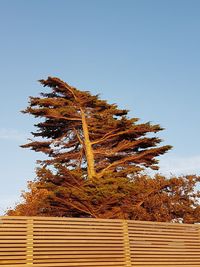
x=143 y=55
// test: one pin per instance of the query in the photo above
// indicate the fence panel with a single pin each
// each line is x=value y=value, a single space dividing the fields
x=78 y=242
x=74 y=242
x=164 y=244
x=13 y=241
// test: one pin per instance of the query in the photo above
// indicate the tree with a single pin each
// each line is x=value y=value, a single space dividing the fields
x=95 y=155
x=84 y=133
x=95 y=158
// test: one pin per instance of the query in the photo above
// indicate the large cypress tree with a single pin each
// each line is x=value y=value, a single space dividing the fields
x=87 y=134
x=95 y=154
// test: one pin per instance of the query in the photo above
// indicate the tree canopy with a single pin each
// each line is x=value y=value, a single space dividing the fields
x=95 y=158
x=84 y=133
x=159 y=198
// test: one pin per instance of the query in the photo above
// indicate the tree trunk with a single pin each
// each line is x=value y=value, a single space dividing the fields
x=88 y=148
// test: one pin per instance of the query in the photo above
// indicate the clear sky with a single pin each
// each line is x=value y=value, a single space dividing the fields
x=143 y=55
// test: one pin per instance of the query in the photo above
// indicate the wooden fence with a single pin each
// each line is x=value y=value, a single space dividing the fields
x=71 y=242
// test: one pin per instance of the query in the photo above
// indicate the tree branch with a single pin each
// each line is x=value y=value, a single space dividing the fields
x=63 y=118
x=76 y=207
x=109 y=135
x=78 y=136
x=134 y=157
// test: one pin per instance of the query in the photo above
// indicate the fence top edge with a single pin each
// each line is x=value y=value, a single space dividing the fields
x=95 y=220
x=59 y=218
